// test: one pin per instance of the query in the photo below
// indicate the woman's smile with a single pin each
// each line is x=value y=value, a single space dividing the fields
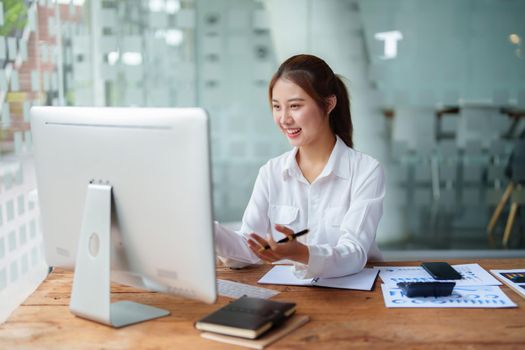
x=293 y=132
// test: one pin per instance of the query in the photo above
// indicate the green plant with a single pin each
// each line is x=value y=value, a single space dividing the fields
x=15 y=17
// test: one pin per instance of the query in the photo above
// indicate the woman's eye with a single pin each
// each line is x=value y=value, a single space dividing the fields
x=275 y=107
x=294 y=106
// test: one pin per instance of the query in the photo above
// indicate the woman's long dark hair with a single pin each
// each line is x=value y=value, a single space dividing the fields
x=318 y=80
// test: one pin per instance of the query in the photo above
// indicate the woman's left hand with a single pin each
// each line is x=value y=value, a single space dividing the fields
x=293 y=249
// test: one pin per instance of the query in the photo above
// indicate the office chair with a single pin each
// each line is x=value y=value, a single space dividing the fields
x=515 y=171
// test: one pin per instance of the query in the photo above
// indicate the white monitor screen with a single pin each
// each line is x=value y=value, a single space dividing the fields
x=157 y=162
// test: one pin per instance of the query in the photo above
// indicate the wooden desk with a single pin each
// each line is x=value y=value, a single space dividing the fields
x=339 y=319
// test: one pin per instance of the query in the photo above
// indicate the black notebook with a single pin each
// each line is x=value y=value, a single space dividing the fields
x=246 y=317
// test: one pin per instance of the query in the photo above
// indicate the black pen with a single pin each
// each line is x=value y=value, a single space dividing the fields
x=286 y=239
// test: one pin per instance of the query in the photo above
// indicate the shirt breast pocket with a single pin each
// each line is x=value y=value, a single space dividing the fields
x=285 y=215
x=333 y=218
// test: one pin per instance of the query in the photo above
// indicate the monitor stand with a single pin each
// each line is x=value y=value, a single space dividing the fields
x=91 y=294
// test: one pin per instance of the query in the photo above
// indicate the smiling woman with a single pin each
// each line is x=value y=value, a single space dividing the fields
x=322 y=185
x=324 y=89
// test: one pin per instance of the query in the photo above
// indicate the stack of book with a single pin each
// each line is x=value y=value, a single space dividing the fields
x=251 y=322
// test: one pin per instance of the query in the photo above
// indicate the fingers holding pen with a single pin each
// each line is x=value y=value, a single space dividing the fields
x=265 y=255
x=263 y=244
x=262 y=248
x=287 y=248
x=257 y=240
x=271 y=244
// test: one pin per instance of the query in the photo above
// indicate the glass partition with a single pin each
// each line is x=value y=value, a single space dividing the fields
x=438 y=96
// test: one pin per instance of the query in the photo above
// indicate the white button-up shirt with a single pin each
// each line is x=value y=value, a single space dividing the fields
x=341 y=208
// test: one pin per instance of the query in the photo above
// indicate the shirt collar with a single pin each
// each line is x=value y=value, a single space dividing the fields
x=291 y=168
x=338 y=163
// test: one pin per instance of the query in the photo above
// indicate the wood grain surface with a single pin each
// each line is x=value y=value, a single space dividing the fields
x=340 y=319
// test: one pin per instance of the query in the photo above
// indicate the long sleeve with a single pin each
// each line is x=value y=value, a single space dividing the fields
x=232 y=249
x=357 y=232
x=231 y=246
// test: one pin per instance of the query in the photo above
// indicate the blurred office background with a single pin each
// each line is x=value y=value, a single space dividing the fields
x=438 y=96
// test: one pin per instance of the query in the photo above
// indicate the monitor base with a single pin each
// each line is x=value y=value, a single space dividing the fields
x=91 y=293
x=125 y=313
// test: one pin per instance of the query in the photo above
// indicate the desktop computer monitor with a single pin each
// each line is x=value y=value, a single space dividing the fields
x=125 y=195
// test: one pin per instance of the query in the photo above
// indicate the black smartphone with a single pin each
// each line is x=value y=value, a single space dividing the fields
x=441 y=271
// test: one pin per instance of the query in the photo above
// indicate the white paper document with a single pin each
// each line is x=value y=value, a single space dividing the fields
x=236 y=290
x=461 y=297
x=363 y=280
x=473 y=275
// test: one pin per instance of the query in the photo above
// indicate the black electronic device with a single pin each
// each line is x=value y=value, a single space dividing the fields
x=426 y=289
x=441 y=271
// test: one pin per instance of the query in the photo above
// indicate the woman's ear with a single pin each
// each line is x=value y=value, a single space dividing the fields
x=332 y=102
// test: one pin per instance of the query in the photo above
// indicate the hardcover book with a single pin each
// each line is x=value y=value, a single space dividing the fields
x=246 y=317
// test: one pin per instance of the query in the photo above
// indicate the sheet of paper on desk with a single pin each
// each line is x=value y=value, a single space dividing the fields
x=283 y=274
x=461 y=297
x=473 y=275
x=236 y=290
x=363 y=280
